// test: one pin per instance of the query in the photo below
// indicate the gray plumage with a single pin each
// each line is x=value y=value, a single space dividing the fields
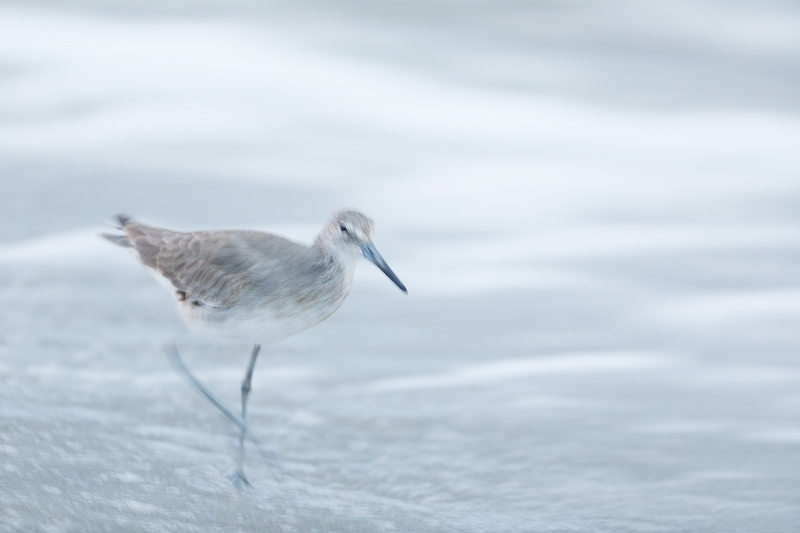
x=251 y=284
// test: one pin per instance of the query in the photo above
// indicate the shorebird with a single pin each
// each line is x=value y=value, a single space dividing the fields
x=252 y=285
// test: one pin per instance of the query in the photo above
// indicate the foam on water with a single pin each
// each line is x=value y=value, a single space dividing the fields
x=498 y=371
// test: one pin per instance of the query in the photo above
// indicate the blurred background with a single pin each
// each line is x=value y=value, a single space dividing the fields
x=594 y=205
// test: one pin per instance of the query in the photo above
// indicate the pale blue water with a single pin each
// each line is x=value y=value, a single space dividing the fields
x=594 y=207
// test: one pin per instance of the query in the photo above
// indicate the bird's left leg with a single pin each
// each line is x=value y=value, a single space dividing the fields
x=239 y=477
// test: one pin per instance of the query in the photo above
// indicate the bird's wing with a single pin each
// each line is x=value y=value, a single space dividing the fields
x=208 y=267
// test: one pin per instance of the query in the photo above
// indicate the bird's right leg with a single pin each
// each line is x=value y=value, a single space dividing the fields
x=238 y=477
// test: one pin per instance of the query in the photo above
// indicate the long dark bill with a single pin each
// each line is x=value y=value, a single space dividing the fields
x=372 y=254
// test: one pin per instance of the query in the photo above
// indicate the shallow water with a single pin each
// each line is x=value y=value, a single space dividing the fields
x=594 y=206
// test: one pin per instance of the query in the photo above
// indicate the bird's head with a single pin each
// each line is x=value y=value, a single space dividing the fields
x=348 y=235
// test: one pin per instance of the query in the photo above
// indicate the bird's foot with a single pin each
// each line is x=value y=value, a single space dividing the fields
x=240 y=481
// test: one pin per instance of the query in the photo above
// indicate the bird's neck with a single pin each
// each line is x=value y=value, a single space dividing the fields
x=336 y=260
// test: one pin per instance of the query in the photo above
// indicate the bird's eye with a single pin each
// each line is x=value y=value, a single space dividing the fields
x=343 y=228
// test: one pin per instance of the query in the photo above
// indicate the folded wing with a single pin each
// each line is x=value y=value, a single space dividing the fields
x=204 y=269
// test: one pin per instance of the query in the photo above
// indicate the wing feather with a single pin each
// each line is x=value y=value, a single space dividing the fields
x=206 y=269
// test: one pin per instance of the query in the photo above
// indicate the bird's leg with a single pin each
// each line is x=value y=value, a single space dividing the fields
x=239 y=477
x=175 y=359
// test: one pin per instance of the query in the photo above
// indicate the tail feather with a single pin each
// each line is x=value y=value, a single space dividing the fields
x=119 y=240
x=123 y=220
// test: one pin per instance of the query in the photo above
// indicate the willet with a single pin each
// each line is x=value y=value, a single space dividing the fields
x=253 y=285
